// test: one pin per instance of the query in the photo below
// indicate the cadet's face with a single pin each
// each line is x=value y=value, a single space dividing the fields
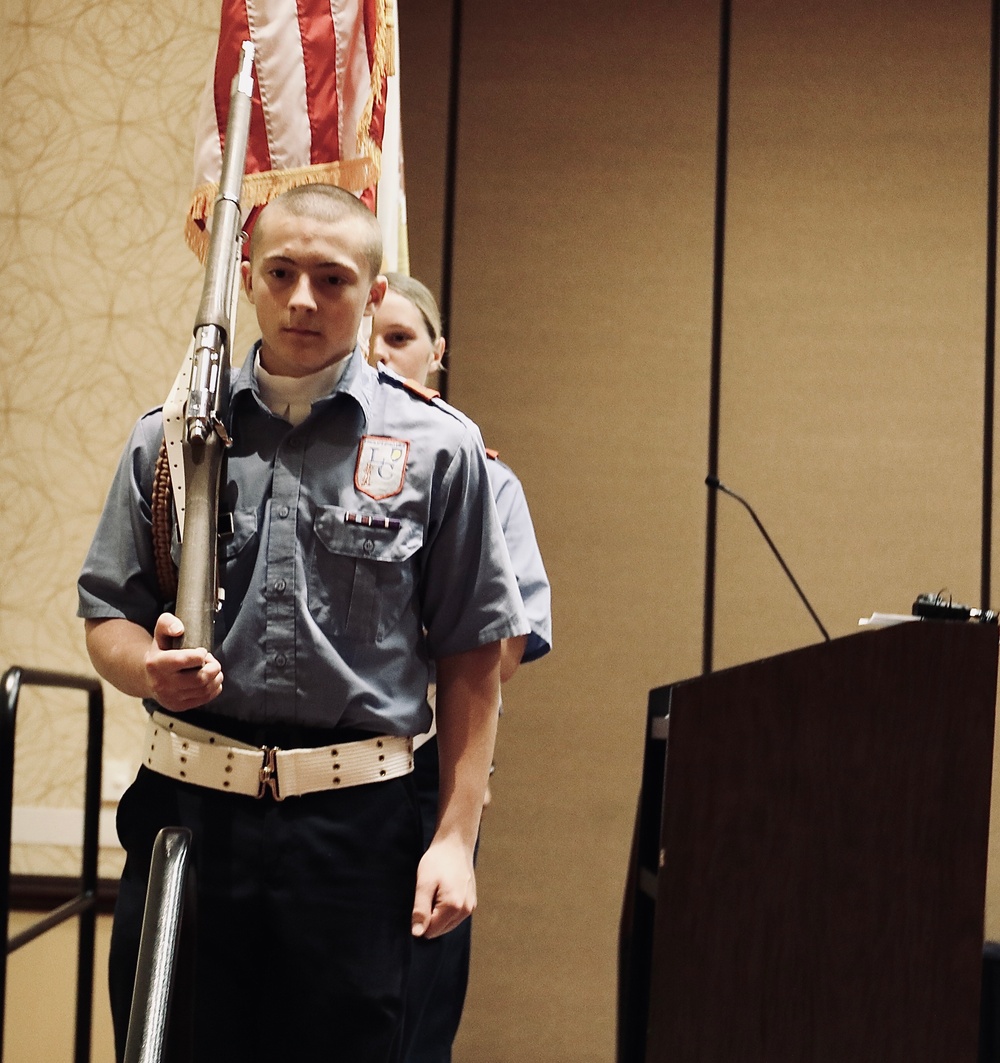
x=401 y=340
x=310 y=284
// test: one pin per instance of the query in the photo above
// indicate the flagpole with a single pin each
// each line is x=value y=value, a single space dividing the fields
x=450 y=168
x=721 y=165
x=991 y=286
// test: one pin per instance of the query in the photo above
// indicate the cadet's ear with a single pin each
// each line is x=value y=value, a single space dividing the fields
x=437 y=359
x=376 y=294
x=246 y=274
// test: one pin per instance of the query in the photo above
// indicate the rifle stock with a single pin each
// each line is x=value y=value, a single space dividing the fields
x=205 y=438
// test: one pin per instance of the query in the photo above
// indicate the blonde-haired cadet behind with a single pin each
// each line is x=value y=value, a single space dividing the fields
x=407 y=336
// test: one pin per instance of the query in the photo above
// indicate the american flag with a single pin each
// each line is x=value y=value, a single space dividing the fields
x=325 y=75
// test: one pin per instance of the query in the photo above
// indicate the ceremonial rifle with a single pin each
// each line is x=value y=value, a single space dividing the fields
x=199 y=593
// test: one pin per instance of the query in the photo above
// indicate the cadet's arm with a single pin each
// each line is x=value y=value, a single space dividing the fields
x=145 y=666
x=511 y=652
x=468 y=693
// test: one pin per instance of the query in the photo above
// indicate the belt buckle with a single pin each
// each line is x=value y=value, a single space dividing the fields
x=269 y=773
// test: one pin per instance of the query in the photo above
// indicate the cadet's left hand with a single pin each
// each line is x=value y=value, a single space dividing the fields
x=446 y=889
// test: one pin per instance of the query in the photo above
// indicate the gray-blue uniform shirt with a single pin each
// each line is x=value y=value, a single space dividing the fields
x=519 y=535
x=366 y=544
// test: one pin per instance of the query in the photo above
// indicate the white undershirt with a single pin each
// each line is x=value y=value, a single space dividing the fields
x=291 y=397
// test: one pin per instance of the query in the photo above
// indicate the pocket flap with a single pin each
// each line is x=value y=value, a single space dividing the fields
x=244 y=530
x=385 y=539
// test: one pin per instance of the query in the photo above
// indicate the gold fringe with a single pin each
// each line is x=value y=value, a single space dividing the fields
x=259 y=188
x=390 y=44
x=380 y=70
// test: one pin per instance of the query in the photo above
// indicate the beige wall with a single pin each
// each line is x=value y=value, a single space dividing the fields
x=852 y=383
x=851 y=398
x=39 y=1023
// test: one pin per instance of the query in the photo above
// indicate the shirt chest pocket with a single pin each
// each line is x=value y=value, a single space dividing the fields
x=361 y=577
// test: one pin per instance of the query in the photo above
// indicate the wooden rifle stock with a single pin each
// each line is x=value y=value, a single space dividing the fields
x=205 y=438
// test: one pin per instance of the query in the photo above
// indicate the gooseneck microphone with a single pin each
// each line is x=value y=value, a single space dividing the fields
x=718 y=485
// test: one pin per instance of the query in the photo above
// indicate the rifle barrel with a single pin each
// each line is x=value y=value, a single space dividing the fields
x=205 y=439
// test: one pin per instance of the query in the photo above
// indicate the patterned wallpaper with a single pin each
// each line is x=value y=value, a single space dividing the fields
x=99 y=294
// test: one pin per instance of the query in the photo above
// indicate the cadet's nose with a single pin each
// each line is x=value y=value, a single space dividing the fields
x=302 y=294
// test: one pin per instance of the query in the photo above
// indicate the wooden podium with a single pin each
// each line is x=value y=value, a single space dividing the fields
x=809 y=867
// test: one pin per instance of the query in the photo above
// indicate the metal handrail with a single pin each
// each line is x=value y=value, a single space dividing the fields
x=84 y=905
x=156 y=1024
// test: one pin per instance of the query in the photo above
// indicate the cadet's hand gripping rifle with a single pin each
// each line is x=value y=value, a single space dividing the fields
x=205 y=437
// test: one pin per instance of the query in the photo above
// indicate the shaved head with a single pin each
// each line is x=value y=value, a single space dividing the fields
x=327 y=203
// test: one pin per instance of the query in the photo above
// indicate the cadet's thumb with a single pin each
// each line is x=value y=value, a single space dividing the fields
x=421 y=911
x=168 y=628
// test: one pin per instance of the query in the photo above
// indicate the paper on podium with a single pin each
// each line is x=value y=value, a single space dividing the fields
x=885 y=619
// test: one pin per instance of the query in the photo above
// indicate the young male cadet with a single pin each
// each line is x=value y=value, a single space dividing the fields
x=366 y=550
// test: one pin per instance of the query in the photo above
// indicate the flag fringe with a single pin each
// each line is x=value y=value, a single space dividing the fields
x=381 y=66
x=259 y=188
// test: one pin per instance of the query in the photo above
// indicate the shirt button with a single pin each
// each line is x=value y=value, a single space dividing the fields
x=280 y=660
x=279 y=585
x=283 y=511
x=369 y=546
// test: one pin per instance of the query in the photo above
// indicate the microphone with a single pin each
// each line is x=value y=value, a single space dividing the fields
x=718 y=485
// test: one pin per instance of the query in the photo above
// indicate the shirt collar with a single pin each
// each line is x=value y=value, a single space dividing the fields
x=357 y=381
x=292 y=397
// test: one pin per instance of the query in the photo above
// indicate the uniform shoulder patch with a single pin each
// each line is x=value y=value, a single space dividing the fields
x=427 y=394
x=407 y=383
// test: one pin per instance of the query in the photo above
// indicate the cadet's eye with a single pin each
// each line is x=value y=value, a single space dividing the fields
x=398 y=338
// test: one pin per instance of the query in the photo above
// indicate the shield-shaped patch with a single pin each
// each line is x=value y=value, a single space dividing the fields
x=381 y=466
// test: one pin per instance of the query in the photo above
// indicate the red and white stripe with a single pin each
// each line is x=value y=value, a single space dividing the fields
x=320 y=93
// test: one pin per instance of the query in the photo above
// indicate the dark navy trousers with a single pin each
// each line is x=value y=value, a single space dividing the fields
x=302 y=940
x=439 y=974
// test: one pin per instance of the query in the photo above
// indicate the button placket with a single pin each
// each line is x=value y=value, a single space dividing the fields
x=282 y=548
